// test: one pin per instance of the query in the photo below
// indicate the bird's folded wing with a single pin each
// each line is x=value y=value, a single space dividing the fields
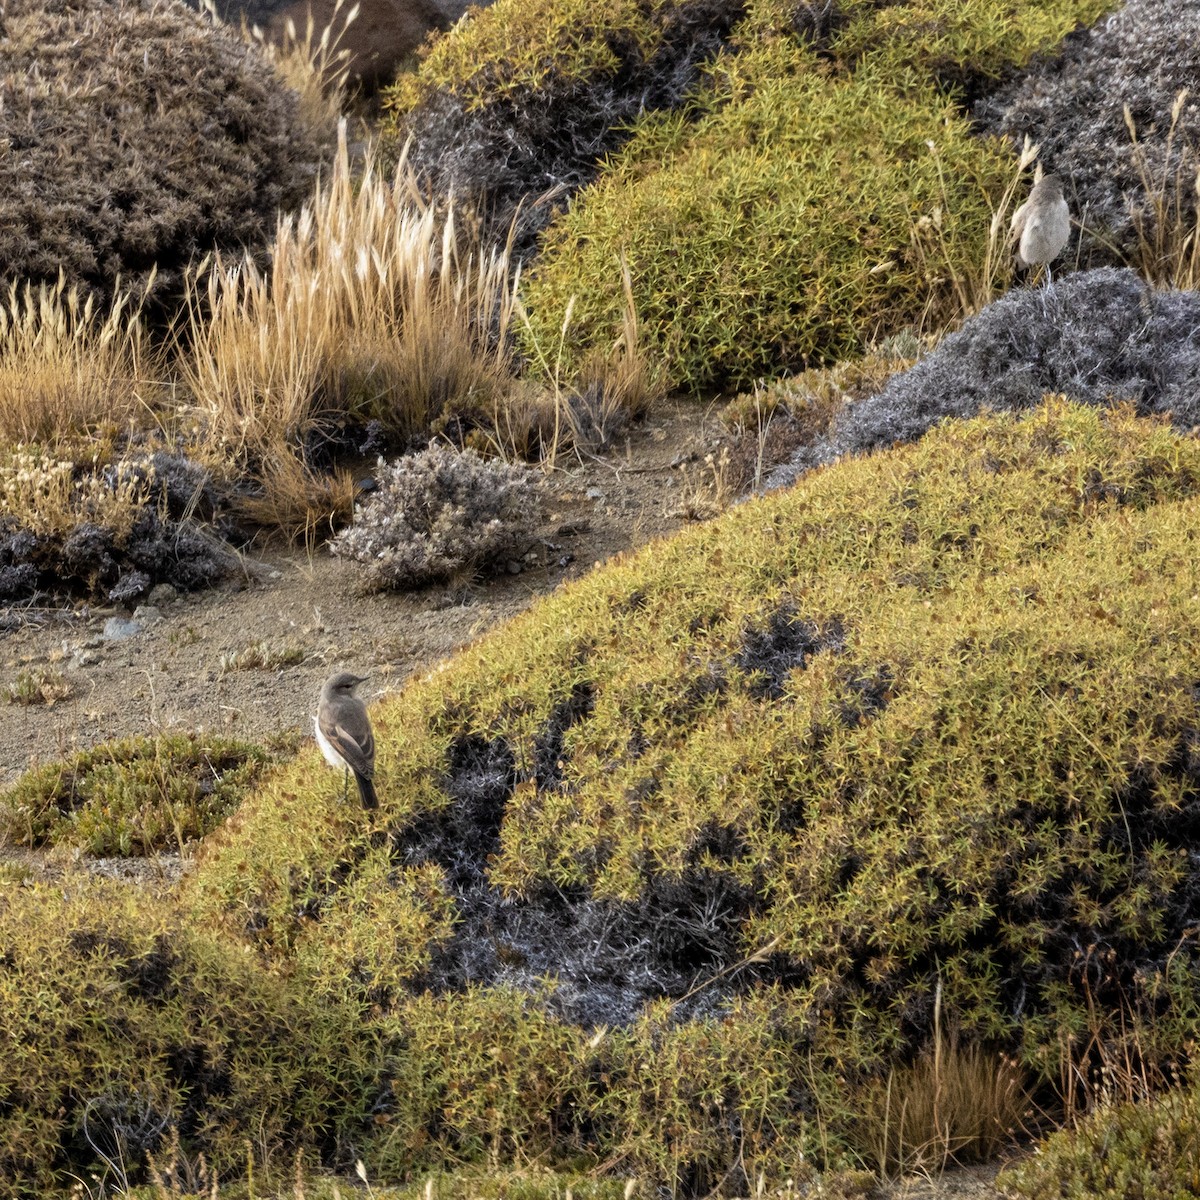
x=359 y=752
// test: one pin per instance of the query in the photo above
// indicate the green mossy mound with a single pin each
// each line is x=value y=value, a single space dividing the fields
x=772 y=226
x=817 y=191
x=699 y=841
x=524 y=97
x=119 y=1024
x=136 y=796
x=778 y=201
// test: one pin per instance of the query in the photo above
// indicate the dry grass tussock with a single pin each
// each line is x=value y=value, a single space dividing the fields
x=376 y=307
x=68 y=368
x=314 y=64
x=1168 y=226
x=965 y=291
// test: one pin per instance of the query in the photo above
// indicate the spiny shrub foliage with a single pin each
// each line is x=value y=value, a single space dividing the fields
x=775 y=190
x=132 y=797
x=530 y=95
x=1150 y=1149
x=136 y=136
x=1097 y=336
x=526 y=96
x=118 y=1024
x=772 y=225
x=1074 y=106
x=101 y=525
x=440 y=512
x=751 y=797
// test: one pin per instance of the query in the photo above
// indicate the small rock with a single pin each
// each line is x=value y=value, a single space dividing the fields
x=162 y=593
x=118 y=629
x=566 y=560
x=274 y=574
x=595 y=494
x=83 y=658
x=532 y=556
x=147 y=614
x=92 y=642
x=572 y=528
x=514 y=567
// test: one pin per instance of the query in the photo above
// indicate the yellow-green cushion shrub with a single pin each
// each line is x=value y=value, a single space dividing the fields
x=134 y=796
x=1119 y=1151
x=119 y=1023
x=775 y=228
x=924 y=724
x=523 y=98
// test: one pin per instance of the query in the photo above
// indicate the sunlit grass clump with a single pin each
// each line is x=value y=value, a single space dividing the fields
x=70 y=366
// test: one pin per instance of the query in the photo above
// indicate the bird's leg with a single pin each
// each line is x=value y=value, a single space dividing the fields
x=345 y=784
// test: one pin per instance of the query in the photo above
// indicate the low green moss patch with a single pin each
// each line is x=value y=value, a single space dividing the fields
x=135 y=796
x=708 y=834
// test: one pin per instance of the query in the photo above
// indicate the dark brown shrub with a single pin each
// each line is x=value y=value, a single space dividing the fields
x=133 y=136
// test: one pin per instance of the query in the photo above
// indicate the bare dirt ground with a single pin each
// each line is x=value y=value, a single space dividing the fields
x=174 y=672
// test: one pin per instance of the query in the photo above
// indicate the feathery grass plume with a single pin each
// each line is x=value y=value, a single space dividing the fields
x=69 y=367
x=313 y=64
x=376 y=307
x=1167 y=220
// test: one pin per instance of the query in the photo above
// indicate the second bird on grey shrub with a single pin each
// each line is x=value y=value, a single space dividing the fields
x=344 y=733
x=1041 y=227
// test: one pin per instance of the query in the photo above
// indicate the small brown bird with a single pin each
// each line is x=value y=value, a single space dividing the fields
x=1041 y=227
x=344 y=734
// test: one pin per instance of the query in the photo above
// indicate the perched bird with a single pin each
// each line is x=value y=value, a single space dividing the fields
x=1042 y=225
x=344 y=734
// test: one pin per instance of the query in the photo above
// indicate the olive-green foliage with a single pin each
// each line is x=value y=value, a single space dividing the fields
x=134 y=796
x=488 y=1073
x=961 y=43
x=933 y=714
x=772 y=225
x=528 y=95
x=516 y=46
x=137 y=135
x=119 y=1023
x=534 y=1182
x=1117 y=1153
x=765 y=207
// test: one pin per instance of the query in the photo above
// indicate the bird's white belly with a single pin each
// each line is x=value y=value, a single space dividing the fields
x=332 y=757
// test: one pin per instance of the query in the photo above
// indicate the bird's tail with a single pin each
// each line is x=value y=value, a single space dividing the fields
x=366 y=789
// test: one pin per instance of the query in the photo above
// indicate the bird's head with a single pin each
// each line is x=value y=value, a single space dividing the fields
x=343 y=683
x=1049 y=185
